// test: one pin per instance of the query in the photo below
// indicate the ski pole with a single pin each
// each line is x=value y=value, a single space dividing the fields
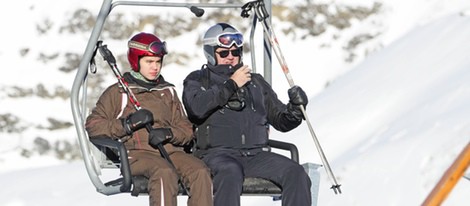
x=109 y=57
x=262 y=14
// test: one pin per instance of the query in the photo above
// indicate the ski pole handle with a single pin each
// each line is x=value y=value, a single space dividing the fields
x=106 y=53
x=261 y=12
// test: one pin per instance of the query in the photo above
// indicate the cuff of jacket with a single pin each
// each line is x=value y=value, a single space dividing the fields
x=231 y=85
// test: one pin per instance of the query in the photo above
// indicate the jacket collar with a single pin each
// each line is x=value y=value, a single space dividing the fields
x=157 y=84
x=225 y=70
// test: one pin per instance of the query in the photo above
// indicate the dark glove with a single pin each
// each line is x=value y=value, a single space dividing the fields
x=159 y=135
x=137 y=120
x=297 y=97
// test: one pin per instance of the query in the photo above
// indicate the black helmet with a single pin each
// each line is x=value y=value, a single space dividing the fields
x=221 y=35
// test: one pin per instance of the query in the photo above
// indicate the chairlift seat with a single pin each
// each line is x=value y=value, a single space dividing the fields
x=115 y=155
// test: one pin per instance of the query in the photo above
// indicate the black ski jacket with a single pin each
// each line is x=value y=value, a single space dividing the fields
x=205 y=95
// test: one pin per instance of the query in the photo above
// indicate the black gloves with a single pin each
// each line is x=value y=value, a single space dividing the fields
x=159 y=135
x=137 y=120
x=297 y=97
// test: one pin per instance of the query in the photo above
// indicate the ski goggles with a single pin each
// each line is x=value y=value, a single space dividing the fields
x=226 y=40
x=157 y=48
x=225 y=53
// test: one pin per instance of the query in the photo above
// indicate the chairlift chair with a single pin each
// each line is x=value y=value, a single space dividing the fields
x=101 y=153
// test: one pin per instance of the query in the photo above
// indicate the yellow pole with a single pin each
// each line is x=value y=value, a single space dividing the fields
x=449 y=179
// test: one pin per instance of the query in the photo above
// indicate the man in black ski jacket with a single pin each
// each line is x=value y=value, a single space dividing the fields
x=232 y=110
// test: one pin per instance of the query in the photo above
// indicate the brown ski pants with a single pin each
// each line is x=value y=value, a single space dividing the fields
x=163 y=180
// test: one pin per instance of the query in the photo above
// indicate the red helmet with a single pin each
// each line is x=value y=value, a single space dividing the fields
x=144 y=44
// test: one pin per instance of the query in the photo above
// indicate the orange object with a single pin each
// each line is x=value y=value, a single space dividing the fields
x=449 y=179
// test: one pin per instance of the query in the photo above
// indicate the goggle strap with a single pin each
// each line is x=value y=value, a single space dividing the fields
x=137 y=45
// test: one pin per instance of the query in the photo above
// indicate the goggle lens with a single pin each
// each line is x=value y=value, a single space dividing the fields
x=227 y=40
x=158 y=48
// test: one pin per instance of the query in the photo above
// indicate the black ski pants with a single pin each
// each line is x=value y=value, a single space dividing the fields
x=229 y=167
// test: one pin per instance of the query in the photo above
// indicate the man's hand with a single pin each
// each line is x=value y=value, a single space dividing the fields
x=242 y=75
x=137 y=120
x=297 y=97
x=159 y=135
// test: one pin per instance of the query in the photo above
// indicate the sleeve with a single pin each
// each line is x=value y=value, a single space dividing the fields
x=277 y=113
x=200 y=102
x=103 y=119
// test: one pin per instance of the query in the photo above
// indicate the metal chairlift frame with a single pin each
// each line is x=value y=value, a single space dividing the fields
x=78 y=105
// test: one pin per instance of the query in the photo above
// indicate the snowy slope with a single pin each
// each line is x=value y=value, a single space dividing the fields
x=395 y=123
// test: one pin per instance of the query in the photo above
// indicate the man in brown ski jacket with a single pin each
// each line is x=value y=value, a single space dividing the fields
x=115 y=117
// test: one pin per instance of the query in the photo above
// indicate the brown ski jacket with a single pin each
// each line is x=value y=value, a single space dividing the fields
x=160 y=98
